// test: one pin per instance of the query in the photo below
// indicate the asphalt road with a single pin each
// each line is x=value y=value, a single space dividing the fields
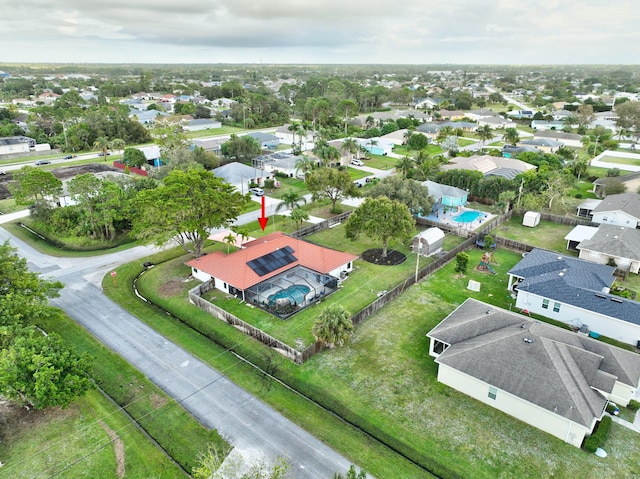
x=252 y=427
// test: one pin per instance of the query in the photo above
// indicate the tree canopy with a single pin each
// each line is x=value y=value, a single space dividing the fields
x=383 y=219
x=33 y=184
x=331 y=183
x=333 y=326
x=409 y=192
x=185 y=207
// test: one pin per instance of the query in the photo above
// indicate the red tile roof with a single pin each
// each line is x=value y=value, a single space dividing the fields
x=232 y=268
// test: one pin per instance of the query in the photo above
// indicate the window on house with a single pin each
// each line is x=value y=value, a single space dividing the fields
x=556 y=307
x=493 y=392
x=545 y=304
x=225 y=285
x=605 y=218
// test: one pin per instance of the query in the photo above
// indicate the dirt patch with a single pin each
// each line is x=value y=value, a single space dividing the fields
x=15 y=418
x=118 y=446
x=62 y=173
x=172 y=287
x=392 y=258
x=158 y=401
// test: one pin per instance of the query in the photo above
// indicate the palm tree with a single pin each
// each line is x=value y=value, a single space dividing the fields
x=405 y=164
x=349 y=145
x=445 y=132
x=305 y=164
x=293 y=128
x=333 y=326
x=229 y=240
x=241 y=232
x=484 y=133
x=118 y=144
x=298 y=215
x=511 y=136
x=290 y=200
x=102 y=143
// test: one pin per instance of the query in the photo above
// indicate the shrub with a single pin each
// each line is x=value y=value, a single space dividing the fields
x=578 y=195
x=633 y=405
x=269 y=184
x=280 y=174
x=599 y=436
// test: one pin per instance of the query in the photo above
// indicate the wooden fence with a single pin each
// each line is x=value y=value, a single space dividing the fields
x=195 y=297
x=334 y=220
x=562 y=220
x=132 y=169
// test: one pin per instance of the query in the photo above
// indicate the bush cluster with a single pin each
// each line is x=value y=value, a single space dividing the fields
x=599 y=436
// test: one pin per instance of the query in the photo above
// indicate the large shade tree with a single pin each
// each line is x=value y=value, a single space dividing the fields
x=381 y=219
x=33 y=185
x=412 y=193
x=185 y=207
x=332 y=184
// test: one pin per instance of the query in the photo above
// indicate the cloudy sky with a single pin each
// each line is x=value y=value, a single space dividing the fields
x=321 y=31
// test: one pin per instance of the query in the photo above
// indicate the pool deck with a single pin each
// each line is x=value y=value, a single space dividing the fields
x=440 y=216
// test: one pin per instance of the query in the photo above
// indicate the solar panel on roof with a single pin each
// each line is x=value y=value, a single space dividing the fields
x=272 y=261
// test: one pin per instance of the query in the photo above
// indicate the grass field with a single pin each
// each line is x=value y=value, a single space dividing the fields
x=77 y=443
x=620 y=161
x=549 y=234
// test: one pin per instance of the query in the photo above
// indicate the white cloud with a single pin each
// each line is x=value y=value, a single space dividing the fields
x=335 y=31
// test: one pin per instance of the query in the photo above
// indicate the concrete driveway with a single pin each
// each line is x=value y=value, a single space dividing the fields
x=251 y=426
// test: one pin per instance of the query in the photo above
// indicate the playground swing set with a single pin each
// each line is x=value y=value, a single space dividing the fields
x=484 y=263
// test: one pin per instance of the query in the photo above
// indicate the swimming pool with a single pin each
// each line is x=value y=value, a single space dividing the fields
x=468 y=216
x=295 y=294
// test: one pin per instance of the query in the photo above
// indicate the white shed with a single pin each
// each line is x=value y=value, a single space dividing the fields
x=428 y=242
x=531 y=218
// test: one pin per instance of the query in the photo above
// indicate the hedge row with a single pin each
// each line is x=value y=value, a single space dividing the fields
x=599 y=436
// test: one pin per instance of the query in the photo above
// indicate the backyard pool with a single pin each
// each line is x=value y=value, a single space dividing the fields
x=468 y=216
x=295 y=294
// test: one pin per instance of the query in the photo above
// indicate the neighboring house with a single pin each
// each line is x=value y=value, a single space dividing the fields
x=214 y=145
x=397 y=137
x=613 y=243
x=510 y=151
x=567 y=139
x=280 y=162
x=550 y=378
x=585 y=209
x=578 y=234
x=451 y=115
x=463 y=125
x=547 y=125
x=621 y=210
x=277 y=273
x=446 y=195
x=66 y=199
x=606 y=119
x=489 y=165
x=496 y=122
x=631 y=183
x=16 y=144
x=428 y=242
x=521 y=114
x=202 y=124
x=241 y=176
x=376 y=146
x=146 y=117
x=151 y=153
x=430 y=130
x=575 y=292
x=545 y=145
x=561 y=115
x=266 y=140
x=477 y=115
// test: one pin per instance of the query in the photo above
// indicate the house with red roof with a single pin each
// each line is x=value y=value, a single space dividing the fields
x=277 y=272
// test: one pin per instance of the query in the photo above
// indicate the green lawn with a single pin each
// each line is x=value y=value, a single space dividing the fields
x=465 y=142
x=546 y=235
x=225 y=130
x=582 y=188
x=287 y=185
x=356 y=174
x=431 y=149
x=380 y=162
x=50 y=442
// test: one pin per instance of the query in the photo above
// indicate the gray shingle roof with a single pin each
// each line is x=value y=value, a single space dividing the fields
x=557 y=370
x=574 y=281
x=614 y=241
x=627 y=202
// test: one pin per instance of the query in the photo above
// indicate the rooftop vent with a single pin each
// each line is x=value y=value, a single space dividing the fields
x=616 y=300
x=523 y=325
x=488 y=311
x=527 y=340
x=602 y=296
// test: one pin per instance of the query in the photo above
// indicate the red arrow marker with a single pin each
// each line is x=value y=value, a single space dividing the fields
x=263 y=220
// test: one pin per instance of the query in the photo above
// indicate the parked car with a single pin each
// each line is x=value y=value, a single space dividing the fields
x=68 y=157
x=257 y=191
x=357 y=162
x=104 y=154
x=42 y=162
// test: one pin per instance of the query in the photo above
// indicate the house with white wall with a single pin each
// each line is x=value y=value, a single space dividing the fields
x=613 y=243
x=575 y=292
x=553 y=379
x=622 y=210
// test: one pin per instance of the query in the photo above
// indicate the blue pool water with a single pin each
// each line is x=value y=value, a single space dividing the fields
x=295 y=294
x=468 y=216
